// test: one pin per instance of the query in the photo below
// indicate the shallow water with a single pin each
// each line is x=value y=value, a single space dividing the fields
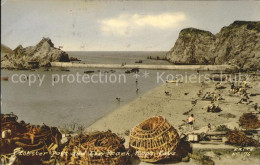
x=65 y=103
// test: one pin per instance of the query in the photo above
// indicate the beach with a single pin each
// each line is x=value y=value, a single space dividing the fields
x=182 y=101
x=130 y=82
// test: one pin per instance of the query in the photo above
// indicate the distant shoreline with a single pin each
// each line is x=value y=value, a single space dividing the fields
x=144 y=66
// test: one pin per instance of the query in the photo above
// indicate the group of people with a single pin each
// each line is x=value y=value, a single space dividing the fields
x=213 y=108
x=212 y=96
x=240 y=88
x=237 y=87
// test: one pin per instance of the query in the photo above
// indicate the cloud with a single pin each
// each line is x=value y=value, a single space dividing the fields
x=125 y=24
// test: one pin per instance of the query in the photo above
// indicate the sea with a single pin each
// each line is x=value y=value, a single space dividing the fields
x=62 y=96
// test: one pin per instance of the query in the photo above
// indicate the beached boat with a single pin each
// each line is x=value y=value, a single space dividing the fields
x=4 y=78
x=218 y=77
x=173 y=81
x=89 y=71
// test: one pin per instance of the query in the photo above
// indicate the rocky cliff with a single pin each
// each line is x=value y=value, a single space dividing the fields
x=237 y=44
x=43 y=53
x=5 y=49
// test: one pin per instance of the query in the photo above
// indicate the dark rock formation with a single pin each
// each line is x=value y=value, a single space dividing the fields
x=43 y=53
x=237 y=44
x=74 y=59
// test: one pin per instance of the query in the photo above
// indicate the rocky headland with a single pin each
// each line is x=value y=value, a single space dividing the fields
x=5 y=49
x=40 y=55
x=237 y=44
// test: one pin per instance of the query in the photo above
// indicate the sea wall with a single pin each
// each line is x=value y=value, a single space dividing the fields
x=140 y=66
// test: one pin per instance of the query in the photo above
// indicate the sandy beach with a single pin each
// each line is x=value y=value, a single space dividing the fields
x=172 y=107
x=183 y=98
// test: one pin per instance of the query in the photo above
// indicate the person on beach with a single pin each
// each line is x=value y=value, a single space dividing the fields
x=232 y=86
x=256 y=107
x=209 y=127
x=244 y=84
x=118 y=99
x=191 y=121
x=227 y=79
x=220 y=97
x=207 y=96
x=214 y=96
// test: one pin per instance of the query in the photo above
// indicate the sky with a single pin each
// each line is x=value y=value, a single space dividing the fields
x=81 y=25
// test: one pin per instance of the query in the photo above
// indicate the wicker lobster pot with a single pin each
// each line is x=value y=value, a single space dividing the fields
x=249 y=121
x=19 y=136
x=95 y=148
x=154 y=140
x=239 y=138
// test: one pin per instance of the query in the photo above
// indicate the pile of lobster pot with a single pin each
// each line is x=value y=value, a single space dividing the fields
x=239 y=138
x=155 y=140
x=26 y=139
x=95 y=148
x=249 y=121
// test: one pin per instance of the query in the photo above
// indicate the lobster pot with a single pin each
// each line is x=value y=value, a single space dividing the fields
x=239 y=138
x=249 y=121
x=154 y=140
x=22 y=137
x=95 y=148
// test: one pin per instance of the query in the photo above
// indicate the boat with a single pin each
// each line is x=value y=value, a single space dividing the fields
x=139 y=62
x=4 y=78
x=173 y=81
x=218 y=77
x=65 y=70
x=89 y=71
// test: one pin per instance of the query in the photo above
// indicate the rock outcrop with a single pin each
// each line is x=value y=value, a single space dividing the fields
x=5 y=49
x=34 y=56
x=237 y=44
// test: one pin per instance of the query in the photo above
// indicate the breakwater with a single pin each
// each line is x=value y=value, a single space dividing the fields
x=143 y=66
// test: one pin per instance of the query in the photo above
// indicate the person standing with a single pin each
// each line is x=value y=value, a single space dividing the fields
x=232 y=85
x=209 y=127
x=256 y=106
x=191 y=121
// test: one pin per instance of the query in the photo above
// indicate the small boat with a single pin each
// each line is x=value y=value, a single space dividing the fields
x=173 y=81
x=65 y=70
x=218 y=77
x=112 y=71
x=140 y=61
x=4 y=78
x=135 y=70
x=89 y=71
